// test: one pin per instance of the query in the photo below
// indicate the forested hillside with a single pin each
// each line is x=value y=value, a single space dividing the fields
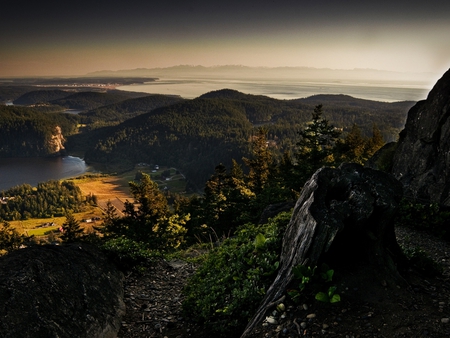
x=89 y=100
x=195 y=135
x=119 y=112
x=48 y=199
x=28 y=131
x=41 y=96
x=120 y=129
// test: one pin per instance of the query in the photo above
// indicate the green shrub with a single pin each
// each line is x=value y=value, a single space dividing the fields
x=227 y=289
x=315 y=280
x=127 y=253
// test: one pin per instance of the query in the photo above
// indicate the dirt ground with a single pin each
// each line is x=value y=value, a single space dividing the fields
x=420 y=308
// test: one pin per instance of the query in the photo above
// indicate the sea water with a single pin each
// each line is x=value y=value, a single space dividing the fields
x=286 y=89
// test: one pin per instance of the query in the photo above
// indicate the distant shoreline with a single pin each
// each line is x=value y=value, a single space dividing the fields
x=284 y=89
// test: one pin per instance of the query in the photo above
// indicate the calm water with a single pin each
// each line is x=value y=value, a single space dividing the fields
x=286 y=89
x=16 y=171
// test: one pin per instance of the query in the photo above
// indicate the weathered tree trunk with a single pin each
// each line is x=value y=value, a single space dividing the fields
x=344 y=217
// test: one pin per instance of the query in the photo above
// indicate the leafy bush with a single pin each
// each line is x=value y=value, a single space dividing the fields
x=127 y=253
x=309 y=277
x=10 y=239
x=227 y=289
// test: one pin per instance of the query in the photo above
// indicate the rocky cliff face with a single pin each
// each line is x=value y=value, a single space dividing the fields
x=422 y=159
x=56 y=141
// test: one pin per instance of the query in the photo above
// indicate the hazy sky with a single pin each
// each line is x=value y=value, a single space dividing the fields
x=73 y=38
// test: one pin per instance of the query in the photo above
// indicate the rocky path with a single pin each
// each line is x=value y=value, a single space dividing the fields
x=153 y=300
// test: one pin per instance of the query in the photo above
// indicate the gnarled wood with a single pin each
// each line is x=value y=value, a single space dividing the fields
x=343 y=216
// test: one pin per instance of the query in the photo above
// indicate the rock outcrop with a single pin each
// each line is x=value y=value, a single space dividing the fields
x=422 y=159
x=344 y=217
x=59 y=291
x=56 y=142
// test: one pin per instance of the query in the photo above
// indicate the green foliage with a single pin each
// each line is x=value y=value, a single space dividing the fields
x=147 y=219
x=127 y=253
x=228 y=287
x=328 y=297
x=310 y=279
x=89 y=100
x=10 y=239
x=195 y=135
x=28 y=131
x=428 y=217
x=71 y=230
x=315 y=148
x=121 y=111
x=357 y=148
x=48 y=199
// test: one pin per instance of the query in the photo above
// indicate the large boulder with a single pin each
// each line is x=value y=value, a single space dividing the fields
x=59 y=291
x=422 y=159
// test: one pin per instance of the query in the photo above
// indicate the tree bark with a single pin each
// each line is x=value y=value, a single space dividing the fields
x=344 y=217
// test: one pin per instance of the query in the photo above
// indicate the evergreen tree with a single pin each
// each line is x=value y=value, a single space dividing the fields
x=316 y=145
x=110 y=227
x=10 y=239
x=259 y=164
x=71 y=229
x=375 y=142
x=148 y=219
x=352 y=148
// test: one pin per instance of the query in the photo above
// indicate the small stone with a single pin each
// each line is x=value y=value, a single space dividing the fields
x=445 y=320
x=271 y=320
x=303 y=325
x=305 y=307
x=325 y=326
x=311 y=315
x=281 y=307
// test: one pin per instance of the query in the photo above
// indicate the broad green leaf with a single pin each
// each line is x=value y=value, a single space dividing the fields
x=322 y=296
x=336 y=298
x=259 y=242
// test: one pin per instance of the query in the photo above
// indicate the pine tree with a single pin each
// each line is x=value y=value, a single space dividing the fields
x=10 y=239
x=375 y=143
x=316 y=145
x=259 y=164
x=71 y=229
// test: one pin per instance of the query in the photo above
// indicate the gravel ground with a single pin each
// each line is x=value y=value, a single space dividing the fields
x=420 y=309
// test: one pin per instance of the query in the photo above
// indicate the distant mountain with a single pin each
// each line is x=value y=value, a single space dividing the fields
x=301 y=73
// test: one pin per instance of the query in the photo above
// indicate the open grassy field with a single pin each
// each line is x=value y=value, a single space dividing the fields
x=41 y=227
x=114 y=188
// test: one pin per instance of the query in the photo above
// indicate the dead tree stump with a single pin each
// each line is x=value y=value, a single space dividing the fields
x=344 y=217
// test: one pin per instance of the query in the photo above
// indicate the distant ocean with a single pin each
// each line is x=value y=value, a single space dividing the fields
x=286 y=89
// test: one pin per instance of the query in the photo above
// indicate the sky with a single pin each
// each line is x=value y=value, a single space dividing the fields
x=62 y=38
